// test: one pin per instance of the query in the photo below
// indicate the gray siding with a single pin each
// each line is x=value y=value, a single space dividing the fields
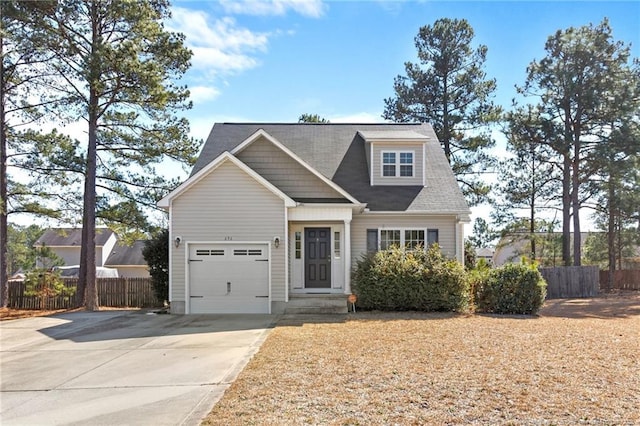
x=418 y=165
x=284 y=172
x=228 y=205
x=446 y=226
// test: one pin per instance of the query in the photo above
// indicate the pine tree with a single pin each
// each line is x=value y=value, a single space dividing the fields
x=581 y=83
x=449 y=89
x=116 y=66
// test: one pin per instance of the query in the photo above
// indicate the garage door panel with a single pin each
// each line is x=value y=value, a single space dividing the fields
x=229 y=305
x=207 y=280
x=229 y=278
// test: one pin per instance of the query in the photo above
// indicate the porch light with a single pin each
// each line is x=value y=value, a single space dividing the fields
x=276 y=242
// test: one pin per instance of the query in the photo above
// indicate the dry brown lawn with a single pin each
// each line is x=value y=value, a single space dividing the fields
x=576 y=363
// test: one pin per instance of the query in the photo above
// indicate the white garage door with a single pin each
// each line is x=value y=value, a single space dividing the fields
x=229 y=278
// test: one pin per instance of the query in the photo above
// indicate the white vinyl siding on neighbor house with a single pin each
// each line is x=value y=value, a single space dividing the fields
x=71 y=254
x=284 y=172
x=446 y=226
x=128 y=271
x=404 y=163
x=227 y=205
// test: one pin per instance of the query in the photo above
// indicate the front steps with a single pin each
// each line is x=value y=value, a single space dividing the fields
x=316 y=304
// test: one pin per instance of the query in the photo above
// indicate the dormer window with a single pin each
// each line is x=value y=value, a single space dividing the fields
x=397 y=163
x=396 y=157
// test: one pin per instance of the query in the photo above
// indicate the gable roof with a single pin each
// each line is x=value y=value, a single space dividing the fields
x=337 y=151
x=71 y=237
x=260 y=133
x=221 y=159
x=124 y=255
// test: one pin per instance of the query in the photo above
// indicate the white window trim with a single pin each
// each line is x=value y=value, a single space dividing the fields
x=397 y=163
x=403 y=242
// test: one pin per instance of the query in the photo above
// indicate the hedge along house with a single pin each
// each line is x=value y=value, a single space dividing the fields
x=277 y=213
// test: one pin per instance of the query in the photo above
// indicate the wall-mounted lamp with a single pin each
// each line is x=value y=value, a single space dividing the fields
x=177 y=241
x=276 y=242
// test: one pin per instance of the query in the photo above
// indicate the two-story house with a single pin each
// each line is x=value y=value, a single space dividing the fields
x=277 y=212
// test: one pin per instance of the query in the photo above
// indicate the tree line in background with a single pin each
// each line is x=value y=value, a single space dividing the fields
x=109 y=67
x=573 y=136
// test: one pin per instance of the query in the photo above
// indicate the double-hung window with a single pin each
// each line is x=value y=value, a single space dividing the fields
x=409 y=238
x=397 y=163
x=413 y=238
x=389 y=238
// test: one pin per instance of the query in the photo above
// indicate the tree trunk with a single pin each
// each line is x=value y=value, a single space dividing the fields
x=575 y=205
x=611 y=233
x=532 y=205
x=446 y=133
x=4 y=239
x=566 y=210
x=89 y=213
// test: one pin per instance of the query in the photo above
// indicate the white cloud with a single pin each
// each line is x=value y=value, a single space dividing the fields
x=219 y=46
x=202 y=94
x=309 y=8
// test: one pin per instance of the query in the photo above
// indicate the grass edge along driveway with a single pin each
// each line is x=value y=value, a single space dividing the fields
x=578 y=362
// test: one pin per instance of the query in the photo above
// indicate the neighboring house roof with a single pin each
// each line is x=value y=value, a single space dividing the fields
x=71 y=237
x=337 y=151
x=485 y=252
x=124 y=255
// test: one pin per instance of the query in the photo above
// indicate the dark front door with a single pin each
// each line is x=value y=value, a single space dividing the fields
x=317 y=262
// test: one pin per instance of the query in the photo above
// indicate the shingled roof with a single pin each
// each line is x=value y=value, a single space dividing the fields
x=125 y=255
x=338 y=152
x=71 y=237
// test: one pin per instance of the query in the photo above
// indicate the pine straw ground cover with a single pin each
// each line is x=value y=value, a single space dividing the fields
x=576 y=363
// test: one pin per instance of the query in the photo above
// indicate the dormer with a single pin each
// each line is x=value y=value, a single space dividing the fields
x=395 y=157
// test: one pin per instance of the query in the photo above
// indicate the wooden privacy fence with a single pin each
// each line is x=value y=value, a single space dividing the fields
x=112 y=292
x=571 y=281
x=626 y=279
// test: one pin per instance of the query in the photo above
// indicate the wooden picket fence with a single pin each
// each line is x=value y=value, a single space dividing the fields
x=571 y=281
x=626 y=279
x=112 y=292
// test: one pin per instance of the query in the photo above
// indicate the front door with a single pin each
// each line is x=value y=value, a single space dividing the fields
x=317 y=262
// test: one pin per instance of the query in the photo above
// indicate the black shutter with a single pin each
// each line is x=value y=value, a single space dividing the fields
x=372 y=240
x=432 y=236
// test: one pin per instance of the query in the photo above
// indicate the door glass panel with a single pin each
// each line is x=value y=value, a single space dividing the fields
x=298 y=245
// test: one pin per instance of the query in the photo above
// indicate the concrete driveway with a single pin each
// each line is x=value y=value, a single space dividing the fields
x=120 y=367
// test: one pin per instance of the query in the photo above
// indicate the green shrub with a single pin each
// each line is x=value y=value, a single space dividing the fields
x=511 y=289
x=477 y=277
x=156 y=254
x=400 y=280
x=46 y=285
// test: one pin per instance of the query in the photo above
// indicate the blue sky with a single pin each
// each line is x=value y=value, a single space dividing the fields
x=258 y=60
x=274 y=60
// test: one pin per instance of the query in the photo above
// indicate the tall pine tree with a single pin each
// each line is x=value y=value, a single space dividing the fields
x=449 y=89
x=580 y=84
x=24 y=147
x=116 y=66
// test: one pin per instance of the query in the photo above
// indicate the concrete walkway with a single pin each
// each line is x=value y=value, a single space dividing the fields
x=121 y=367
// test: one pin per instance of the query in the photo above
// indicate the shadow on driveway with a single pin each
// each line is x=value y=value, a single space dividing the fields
x=110 y=325
x=119 y=367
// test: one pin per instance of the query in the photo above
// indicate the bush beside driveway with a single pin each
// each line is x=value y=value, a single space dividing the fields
x=576 y=363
